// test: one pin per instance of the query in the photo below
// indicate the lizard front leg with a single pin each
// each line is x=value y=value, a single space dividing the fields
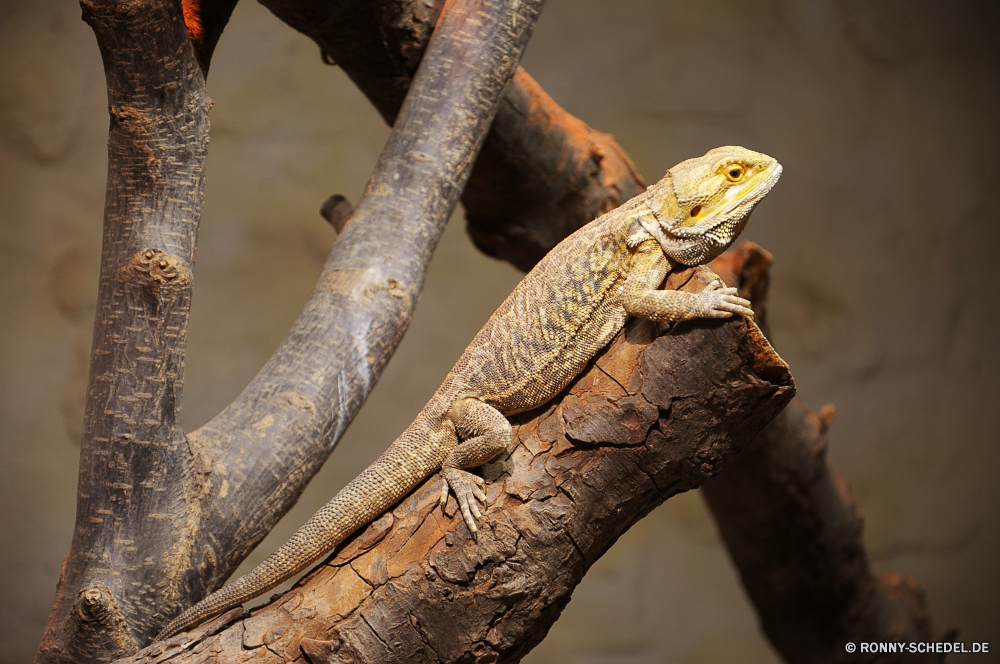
x=641 y=297
x=483 y=433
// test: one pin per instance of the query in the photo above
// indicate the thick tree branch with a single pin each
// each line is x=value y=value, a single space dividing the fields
x=541 y=174
x=794 y=532
x=134 y=463
x=653 y=416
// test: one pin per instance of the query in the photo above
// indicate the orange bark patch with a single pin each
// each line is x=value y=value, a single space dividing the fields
x=192 y=20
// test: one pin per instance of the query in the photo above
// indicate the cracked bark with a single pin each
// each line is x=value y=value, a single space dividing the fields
x=794 y=531
x=652 y=416
x=155 y=521
x=542 y=173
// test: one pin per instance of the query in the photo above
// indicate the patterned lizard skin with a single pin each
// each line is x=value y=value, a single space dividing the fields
x=563 y=312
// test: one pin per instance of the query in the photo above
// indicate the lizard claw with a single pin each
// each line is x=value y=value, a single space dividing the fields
x=470 y=490
x=721 y=301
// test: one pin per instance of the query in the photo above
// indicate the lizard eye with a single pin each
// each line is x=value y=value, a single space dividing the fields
x=734 y=172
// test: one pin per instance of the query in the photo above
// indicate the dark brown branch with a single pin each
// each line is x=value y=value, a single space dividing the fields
x=649 y=419
x=793 y=530
x=134 y=463
x=541 y=174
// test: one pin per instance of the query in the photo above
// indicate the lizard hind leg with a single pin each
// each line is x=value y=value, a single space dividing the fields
x=483 y=433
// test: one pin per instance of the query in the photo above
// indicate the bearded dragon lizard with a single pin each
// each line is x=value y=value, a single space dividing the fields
x=543 y=335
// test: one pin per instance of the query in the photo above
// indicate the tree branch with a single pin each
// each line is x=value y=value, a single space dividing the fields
x=651 y=417
x=134 y=466
x=163 y=518
x=794 y=531
x=267 y=444
x=542 y=173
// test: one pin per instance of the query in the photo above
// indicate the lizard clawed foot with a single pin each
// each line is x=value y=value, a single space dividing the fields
x=470 y=490
x=721 y=301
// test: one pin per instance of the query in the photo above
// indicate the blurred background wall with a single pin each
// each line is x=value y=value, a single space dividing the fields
x=884 y=230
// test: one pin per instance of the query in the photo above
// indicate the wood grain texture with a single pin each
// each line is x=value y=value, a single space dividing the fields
x=651 y=417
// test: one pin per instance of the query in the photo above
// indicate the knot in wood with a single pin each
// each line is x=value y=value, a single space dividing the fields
x=97 y=625
x=95 y=604
x=154 y=267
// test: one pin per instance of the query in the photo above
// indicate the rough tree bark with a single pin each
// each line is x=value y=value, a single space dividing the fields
x=542 y=173
x=654 y=415
x=134 y=463
x=163 y=518
x=794 y=531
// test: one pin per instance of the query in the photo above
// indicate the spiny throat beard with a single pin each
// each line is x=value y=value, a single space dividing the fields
x=727 y=231
x=700 y=249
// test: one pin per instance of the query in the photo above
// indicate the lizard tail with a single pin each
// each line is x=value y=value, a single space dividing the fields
x=367 y=496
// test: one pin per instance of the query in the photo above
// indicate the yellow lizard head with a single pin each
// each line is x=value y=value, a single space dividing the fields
x=701 y=205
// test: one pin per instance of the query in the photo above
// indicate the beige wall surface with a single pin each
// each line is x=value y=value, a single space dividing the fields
x=884 y=301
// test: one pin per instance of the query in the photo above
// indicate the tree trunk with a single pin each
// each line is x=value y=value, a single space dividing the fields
x=129 y=551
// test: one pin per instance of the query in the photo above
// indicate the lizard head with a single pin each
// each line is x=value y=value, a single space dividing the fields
x=702 y=204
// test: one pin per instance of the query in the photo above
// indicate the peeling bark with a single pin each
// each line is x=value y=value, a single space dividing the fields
x=542 y=173
x=654 y=415
x=794 y=531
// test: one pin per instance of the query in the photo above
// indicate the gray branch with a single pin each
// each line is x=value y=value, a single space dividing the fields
x=163 y=519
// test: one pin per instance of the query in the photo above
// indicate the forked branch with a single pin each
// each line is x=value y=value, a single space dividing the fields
x=156 y=528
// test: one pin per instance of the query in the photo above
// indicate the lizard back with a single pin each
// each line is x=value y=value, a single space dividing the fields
x=564 y=311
